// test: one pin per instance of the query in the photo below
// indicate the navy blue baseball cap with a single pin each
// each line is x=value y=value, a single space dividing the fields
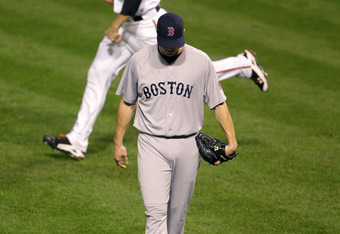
x=170 y=31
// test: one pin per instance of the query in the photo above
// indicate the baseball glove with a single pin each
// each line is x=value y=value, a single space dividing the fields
x=212 y=150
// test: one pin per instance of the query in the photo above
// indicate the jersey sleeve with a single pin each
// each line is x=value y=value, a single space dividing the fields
x=130 y=7
x=129 y=83
x=214 y=94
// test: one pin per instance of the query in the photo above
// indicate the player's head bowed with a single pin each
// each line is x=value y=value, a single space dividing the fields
x=170 y=31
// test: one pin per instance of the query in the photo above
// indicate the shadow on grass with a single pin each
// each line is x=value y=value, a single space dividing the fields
x=60 y=156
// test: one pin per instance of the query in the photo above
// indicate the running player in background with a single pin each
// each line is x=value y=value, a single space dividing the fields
x=132 y=30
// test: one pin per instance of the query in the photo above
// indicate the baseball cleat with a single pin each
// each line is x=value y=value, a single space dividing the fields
x=259 y=76
x=62 y=144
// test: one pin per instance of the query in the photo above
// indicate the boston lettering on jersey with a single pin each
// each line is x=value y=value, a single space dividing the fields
x=161 y=89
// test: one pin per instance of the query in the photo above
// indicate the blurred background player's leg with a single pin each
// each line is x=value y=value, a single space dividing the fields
x=243 y=65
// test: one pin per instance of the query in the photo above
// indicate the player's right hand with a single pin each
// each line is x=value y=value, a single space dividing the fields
x=112 y=34
x=110 y=2
x=120 y=153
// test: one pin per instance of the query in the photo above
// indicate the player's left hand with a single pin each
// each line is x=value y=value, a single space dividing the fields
x=229 y=150
x=217 y=163
x=213 y=150
x=120 y=153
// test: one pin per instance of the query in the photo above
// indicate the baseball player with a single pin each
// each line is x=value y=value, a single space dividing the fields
x=168 y=84
x=132 y=30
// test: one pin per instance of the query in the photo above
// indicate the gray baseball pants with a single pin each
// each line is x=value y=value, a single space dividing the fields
x=167 y=170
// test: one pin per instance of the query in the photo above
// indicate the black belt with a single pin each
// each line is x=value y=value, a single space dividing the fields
x=139 y=17
x=172 y=137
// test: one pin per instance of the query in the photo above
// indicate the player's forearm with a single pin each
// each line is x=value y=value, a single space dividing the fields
x=119 y=21
x=223 y=117
x=124 y=116
x=129 y=9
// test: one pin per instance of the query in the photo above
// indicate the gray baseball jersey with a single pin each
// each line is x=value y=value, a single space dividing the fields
x=164 y=92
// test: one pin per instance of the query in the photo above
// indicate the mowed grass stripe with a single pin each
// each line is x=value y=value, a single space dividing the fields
x=47 y=70
x=326 y=10
x=273 y=164
x=306 y=37
x=67 y=14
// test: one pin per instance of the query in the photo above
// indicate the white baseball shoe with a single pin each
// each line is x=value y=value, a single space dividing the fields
x=64 y=145
x=259 y=76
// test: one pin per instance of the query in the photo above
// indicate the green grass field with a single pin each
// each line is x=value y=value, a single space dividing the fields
x=286 y=177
